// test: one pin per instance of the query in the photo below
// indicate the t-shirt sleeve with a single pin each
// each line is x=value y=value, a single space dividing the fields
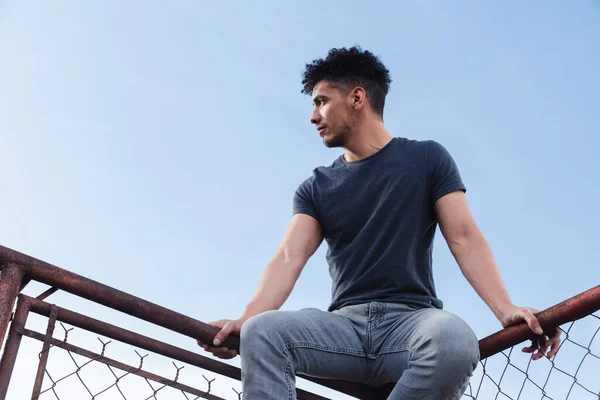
x=303 y=200
x=444 y=176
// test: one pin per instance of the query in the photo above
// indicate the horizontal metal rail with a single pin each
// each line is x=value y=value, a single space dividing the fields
x=118 y=300
x=119 y=365
x=100 y=293
x=17 y=268
x=144 y=342
x=569 y=310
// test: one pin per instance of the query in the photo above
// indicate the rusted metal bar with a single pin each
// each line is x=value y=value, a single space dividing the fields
x=569 y=310
x=119 y=365
x=124 y=302
x=147 y=343
x=11 y=276
x=123 y=335
x=129 y=304
x=39 y=377
x=47 y=293
x=354 y=389
x=113 y=298
x=24 y=282
x=7 y=363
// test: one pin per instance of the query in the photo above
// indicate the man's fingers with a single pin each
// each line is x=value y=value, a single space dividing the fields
x=543 y=347
x=529 y=349
x=223 y=352
x=217 y=351
x=554 y=343
x=229 y=354
x=534 y=346
x=218 y=324
x=223 y=334
x=532 y=321
x=555 y=336
x=226 y=328
x=553 y=350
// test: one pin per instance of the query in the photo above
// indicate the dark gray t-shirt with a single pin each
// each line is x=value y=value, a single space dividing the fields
x=378 y=220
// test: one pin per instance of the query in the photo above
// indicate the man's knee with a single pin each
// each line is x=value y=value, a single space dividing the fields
x=458 y=343
x=274 y=328
x=260 y=328
x=449 y=343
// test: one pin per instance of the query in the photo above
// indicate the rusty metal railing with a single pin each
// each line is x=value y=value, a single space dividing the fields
x=18 y=269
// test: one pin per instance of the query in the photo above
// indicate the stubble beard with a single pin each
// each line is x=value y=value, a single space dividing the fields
x=339 y=138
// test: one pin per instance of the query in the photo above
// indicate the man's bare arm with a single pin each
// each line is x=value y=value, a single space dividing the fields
x=472 y=251
x=299 y=243
x=474 y=256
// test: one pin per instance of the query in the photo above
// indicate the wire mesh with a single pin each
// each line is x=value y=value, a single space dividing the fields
x=72 y=372
x=79 y=375
x=572 y=374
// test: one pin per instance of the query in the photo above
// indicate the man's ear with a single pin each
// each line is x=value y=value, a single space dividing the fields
x=358 y=97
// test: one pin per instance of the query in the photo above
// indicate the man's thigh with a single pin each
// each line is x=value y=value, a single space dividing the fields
x=429 y=334
x=317 y=343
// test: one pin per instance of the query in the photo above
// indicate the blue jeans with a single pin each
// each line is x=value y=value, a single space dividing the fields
x=429 y=353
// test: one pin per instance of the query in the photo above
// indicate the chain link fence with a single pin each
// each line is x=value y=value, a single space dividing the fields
x=74 y=373
x=572 y=374
x=68 y=370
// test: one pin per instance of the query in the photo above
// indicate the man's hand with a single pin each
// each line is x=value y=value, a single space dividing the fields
x=544 y=340
x=227 y=327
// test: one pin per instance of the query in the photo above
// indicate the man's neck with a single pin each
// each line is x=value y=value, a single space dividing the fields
x=366 y=141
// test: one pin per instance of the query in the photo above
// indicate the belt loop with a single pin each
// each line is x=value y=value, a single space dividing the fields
x=376 y=310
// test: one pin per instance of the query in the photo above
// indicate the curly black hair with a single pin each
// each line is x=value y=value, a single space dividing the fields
x=348 y=68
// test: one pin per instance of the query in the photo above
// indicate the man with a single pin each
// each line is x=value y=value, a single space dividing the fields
x=377 y=206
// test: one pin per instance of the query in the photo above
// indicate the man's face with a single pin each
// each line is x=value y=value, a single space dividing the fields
x=331 y=115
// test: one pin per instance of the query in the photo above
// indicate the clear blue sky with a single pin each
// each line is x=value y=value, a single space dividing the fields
x=155 y=146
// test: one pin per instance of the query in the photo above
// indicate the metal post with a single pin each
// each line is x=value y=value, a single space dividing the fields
x=13 y=342
x=39 y=378
x=11 y=276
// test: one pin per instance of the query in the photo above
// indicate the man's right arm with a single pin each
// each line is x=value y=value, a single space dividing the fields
x=299 y=243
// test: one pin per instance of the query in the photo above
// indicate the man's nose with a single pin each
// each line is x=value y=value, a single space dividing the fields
x=315 y=117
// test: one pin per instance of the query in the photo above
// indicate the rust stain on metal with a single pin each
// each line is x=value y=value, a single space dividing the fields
x=14 y=264
x=134 y=339
x=569 y=310
x=39 y=378
x=47 y=293
x=7 y=363
x=11 y=276
x=119 y=365
x=115 y=299
x=176 y=353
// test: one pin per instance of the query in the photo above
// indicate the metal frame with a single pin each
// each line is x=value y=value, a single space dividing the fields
x=17 y=269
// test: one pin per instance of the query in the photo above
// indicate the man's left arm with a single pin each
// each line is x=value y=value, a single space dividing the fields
x=474 y=256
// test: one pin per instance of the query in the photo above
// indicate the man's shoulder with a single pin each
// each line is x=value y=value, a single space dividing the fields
x=422 y=148
x=325 y=169
x=415 y=144
x=320 y=175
